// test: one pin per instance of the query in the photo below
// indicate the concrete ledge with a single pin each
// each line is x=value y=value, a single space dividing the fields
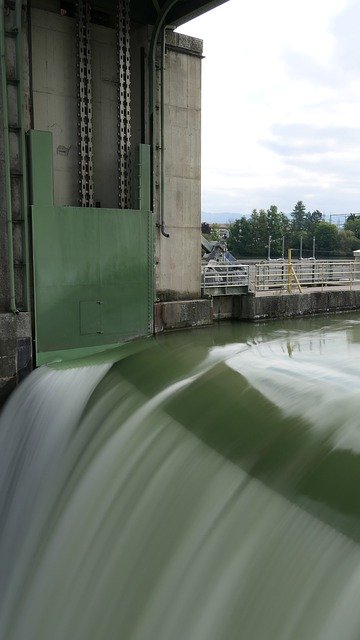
x=182 y=314
x=169 y=295
x=184 y=44
x=196 y=313
x=252 y=307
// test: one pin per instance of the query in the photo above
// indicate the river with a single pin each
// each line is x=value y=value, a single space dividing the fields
x=201 y=486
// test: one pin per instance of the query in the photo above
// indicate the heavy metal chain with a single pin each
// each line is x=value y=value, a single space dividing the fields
x=85 y=143
x=124 y=104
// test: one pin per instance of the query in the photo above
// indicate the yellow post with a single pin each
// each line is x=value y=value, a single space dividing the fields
x=289 y=270
x=292 y=274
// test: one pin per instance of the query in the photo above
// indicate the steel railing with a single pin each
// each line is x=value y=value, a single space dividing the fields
x=307 y=273
x=224 y=276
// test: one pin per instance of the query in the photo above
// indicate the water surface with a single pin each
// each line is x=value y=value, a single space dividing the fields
x=204 y=485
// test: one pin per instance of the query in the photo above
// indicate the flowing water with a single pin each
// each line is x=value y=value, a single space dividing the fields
x=203 y=486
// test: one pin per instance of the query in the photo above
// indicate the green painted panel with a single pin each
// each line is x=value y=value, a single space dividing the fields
x=41 y=180
x=91 y=317
x=93 y=271
x=144 y=177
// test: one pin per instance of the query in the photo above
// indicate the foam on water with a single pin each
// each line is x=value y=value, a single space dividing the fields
x=204 y=487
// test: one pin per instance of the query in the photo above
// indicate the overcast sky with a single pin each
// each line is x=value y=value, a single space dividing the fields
x=280 y=105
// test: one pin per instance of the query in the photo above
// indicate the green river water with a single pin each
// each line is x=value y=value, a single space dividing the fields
x=201 y=486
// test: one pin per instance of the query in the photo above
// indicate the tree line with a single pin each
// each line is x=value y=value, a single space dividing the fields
x=249 y=236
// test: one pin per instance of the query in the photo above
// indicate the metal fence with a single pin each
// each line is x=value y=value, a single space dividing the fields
x=224 y=278
x=307 y=273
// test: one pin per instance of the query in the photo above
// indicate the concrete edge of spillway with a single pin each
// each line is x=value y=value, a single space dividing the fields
x=183 y=314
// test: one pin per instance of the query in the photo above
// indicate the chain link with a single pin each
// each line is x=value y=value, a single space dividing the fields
x=124 y=103
x=86 y=171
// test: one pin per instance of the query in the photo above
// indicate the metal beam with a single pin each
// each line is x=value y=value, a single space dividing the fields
x=124 y=103
x=84 y=73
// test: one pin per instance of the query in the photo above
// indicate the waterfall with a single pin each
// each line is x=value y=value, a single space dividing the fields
x=203 y=486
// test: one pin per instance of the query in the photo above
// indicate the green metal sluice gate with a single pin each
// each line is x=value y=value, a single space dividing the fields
x=93 y=268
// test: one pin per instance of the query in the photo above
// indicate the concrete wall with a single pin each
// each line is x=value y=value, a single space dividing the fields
x=55 y=96
x=55 y=102
x=15 y=329
x=15 y=350
x=179 y=256
x=251 y=308
x=296 y=305
x=183 y=314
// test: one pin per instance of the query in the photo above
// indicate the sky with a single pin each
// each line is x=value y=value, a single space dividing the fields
x=280 y=106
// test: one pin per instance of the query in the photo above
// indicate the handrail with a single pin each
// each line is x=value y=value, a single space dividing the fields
x=275 y=275
x=224 y=276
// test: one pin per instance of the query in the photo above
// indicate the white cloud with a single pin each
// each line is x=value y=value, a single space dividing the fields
x=281 y=98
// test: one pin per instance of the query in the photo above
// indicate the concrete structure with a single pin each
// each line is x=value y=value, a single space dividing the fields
x=179 y=256
x=15 y=349
x=255 y=308
x=266 y=307
x=45 y=87
x=183 y=314
x=16 y=323
x=78 y=275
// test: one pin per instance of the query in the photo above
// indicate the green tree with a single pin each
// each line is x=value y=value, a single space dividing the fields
x=310 y=223
x=353 y=224
x=260 y=228
x=327 y=238
x=239 y=236
x=303 y=227
x=312 y=219
x=250 y=236
x=298 y=216
x=277 y=227
x=348 y=242
x=245 y=236
x=235 y=237
x=205 y=228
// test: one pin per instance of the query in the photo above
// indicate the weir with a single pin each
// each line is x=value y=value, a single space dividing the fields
x=100 y=127
x=193 y=486
x=203 y=485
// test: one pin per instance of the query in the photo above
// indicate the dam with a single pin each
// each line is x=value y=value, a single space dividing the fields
x=100 y=184
x=200 y=485
x=197 y=485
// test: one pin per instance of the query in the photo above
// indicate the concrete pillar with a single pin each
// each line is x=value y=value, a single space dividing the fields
x=179 y=256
